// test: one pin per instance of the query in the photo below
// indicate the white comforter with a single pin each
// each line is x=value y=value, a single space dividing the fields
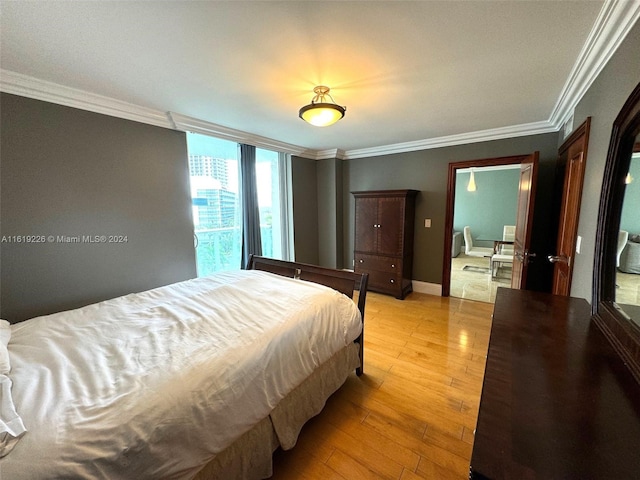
x=153 y=385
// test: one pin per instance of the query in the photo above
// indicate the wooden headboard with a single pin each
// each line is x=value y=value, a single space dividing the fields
x=353 y=285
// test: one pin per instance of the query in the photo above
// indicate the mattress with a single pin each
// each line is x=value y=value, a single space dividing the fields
x=156 y=384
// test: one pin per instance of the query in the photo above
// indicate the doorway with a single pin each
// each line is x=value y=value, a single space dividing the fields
x=485 y=210
x=488 y=263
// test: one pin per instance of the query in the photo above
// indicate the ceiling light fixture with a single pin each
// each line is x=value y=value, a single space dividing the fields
x=321 y=112
x=471 y=186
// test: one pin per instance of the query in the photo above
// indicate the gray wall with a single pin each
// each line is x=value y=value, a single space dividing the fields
x=68 y=172
x=492 y=206
x=602 y=102
x=427 y=171
x=330 y=217
x=305 y=209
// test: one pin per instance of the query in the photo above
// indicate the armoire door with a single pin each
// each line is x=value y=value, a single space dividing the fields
x=391 y=226
x=367 y=224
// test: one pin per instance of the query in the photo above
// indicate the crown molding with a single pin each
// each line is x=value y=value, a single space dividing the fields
x=615 y=20
x=26 y=86
x=512 y=131
x=31 y=87
x=190 y=124
x=329 y=154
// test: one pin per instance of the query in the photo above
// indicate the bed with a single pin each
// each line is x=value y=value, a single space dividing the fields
x=201 y=379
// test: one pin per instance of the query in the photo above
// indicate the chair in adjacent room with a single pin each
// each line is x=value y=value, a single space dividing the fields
x=623 y=236
x=504 y=251
x=472 y=251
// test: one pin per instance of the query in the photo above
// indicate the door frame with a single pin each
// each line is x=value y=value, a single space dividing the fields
x=524 y=222
x=451 y=189
x=571 y=219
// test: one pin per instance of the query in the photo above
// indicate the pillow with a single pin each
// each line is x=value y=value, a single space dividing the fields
x=634 y=237
x=5 y=335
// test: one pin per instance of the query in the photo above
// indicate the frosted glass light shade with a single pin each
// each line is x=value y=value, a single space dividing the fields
x=471 y=187
x=321 y=114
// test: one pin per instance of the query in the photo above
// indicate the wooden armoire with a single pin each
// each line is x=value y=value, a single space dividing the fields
x=384 y=224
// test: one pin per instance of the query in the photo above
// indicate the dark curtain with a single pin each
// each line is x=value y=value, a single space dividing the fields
x=251 y=241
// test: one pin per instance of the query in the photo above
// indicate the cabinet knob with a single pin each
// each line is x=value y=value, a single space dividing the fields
x=393 y=265
x=392 y=281
x=361 y=261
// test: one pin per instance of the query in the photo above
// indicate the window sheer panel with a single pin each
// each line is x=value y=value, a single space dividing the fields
x=273 y=200
x=286 y=206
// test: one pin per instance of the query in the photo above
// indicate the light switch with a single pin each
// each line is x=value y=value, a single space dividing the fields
x=427 y=223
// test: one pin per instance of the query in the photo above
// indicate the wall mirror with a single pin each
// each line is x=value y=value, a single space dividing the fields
x=615 y=307
x=627 y=292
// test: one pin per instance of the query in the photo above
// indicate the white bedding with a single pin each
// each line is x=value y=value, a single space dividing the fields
x=153 y=385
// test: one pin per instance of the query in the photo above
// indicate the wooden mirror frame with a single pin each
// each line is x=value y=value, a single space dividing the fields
x=622 y=332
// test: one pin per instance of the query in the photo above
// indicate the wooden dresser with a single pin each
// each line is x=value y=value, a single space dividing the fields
x=384 y=226
x=557 y=401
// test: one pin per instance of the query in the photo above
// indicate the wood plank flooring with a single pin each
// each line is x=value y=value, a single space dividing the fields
x=413 y=412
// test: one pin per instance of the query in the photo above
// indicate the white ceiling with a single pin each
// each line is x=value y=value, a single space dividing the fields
x=406 y=71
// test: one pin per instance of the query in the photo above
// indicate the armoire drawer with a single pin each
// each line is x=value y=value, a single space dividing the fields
x=383 y=280
x=375 y=262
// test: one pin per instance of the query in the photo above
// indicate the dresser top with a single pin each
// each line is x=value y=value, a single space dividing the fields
x=557 y=401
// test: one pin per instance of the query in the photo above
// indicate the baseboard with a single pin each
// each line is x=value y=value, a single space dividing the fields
x=425 y=287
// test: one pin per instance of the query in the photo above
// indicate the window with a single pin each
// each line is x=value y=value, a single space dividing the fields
x=217 y=216
x=273 y=202
x=213 y=169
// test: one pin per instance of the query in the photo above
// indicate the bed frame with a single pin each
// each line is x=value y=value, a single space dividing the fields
x=353 y=285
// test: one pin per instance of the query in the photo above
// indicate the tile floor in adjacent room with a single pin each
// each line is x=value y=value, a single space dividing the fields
x=628 y=288
x=470 y=278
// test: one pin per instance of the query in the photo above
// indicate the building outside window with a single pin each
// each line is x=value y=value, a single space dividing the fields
x=217 y=216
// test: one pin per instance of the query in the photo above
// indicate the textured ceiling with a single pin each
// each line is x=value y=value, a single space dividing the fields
x=406 y=71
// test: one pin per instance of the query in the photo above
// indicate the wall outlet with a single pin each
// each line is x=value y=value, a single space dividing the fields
x=427 y=223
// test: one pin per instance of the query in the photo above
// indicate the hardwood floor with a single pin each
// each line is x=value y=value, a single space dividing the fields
x=413 y=412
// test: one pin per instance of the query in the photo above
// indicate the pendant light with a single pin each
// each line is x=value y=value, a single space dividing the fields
x=320 y=112
x=471 y=186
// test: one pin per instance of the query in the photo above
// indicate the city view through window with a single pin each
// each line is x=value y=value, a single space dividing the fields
x=217 y=216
